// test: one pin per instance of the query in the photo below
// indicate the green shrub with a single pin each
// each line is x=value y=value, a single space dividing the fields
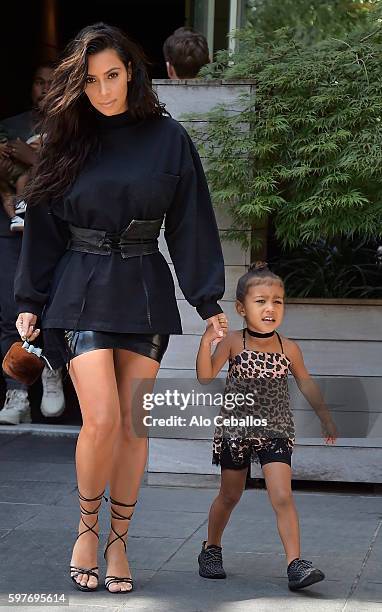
x=311 y=156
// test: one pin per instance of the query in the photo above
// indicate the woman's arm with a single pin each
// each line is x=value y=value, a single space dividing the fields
x=45 y=239
x=310 y=390
x=208 y=366
x=192 y=236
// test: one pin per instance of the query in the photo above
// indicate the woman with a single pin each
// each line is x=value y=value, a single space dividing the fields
x=112 y=167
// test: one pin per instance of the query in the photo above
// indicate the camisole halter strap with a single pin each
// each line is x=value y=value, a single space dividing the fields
x=281 y=344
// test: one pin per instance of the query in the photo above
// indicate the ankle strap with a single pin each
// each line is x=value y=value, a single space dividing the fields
x=116 y=503
x=91 y=499
x=87 y=512
x=117 y=515
x=100 y=496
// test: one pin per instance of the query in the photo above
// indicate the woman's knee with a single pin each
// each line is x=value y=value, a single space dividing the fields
x=131 y=432
x=101 y=424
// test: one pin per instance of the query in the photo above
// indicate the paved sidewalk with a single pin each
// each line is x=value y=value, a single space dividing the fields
x=341 y=533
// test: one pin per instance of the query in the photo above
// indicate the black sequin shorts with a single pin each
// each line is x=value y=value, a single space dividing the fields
x=278 y=452
x=149 y=345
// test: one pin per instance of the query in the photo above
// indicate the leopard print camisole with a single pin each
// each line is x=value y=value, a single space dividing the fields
x=263 y=378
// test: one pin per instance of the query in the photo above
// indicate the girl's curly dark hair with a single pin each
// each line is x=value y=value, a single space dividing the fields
x=68 y=123
x=258 y=273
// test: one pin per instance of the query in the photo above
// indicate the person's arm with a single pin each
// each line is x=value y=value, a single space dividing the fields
x=22 y=152
x=8 y=199
x=311 y=391
x=44 y=242
x=208 y=366
x=192 y=237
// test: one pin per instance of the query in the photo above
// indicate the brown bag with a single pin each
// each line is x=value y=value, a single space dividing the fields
x=23 y=362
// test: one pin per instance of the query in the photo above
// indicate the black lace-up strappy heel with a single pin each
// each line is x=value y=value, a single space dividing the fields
x=119 y=536
x=83 y=570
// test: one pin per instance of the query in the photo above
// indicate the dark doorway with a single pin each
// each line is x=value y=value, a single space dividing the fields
x=148 y=22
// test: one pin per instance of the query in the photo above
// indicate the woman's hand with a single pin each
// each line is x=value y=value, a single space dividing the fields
x=25 y=325
x=217 y=328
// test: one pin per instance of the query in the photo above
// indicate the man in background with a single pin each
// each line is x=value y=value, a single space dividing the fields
x=185 y=52
x=15 y=152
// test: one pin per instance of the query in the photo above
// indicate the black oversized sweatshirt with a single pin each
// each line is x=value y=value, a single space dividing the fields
x=145 y=169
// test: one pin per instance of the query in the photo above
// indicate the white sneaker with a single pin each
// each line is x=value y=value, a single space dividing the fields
x=16 y=408
x=53 y=401
x=20 y=207
x=17 y=224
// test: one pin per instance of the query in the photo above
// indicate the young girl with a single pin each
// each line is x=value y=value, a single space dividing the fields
x=259 y=361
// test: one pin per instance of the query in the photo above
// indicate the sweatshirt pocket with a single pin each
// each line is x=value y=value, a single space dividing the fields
x=165 y=186
x=151 y=195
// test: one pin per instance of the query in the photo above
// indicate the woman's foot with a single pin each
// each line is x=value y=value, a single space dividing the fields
x=84 y=556
x=118 y=577
x=117 y=566
x=83 y=565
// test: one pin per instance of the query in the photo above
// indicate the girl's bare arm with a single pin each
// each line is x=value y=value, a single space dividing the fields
x=208 y=366
x=310 y=389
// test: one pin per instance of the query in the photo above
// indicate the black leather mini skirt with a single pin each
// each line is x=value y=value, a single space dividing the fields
x=149 y=345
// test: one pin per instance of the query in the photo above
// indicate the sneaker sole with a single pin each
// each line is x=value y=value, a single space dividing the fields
x=314 y=577
x=14 y=422
x=52 y=415
x=214 y=577
x=26 y=418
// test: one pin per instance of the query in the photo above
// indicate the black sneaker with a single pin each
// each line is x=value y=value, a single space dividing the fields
x=211 y=562
x=302 y=574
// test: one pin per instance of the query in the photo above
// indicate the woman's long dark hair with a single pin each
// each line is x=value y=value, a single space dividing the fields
x=68 y=125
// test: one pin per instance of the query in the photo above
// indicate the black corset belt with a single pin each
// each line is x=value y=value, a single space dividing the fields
x=139 y=238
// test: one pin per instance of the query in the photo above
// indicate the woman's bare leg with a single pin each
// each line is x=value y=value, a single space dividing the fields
x=130 y=454
x=278 y=477
x=94 y=380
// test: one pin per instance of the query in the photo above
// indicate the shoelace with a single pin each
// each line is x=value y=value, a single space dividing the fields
x=50 y=381
x=301 y=564
x=214 y=553
x=11 y=396
x=305 y=564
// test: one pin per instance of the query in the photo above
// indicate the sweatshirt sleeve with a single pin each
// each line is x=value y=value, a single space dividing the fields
x=44 y=242
x=192 y=237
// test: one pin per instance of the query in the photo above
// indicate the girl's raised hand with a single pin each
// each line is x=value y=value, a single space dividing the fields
x=217 y=327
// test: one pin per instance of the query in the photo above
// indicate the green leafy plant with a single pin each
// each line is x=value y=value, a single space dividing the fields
x=306 y=145
x=311 y=20
x=304 y=149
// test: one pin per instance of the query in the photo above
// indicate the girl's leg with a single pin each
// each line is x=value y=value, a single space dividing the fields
x=231 y=488
x=129 y=454
x=94 y=380
x=278 y=478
